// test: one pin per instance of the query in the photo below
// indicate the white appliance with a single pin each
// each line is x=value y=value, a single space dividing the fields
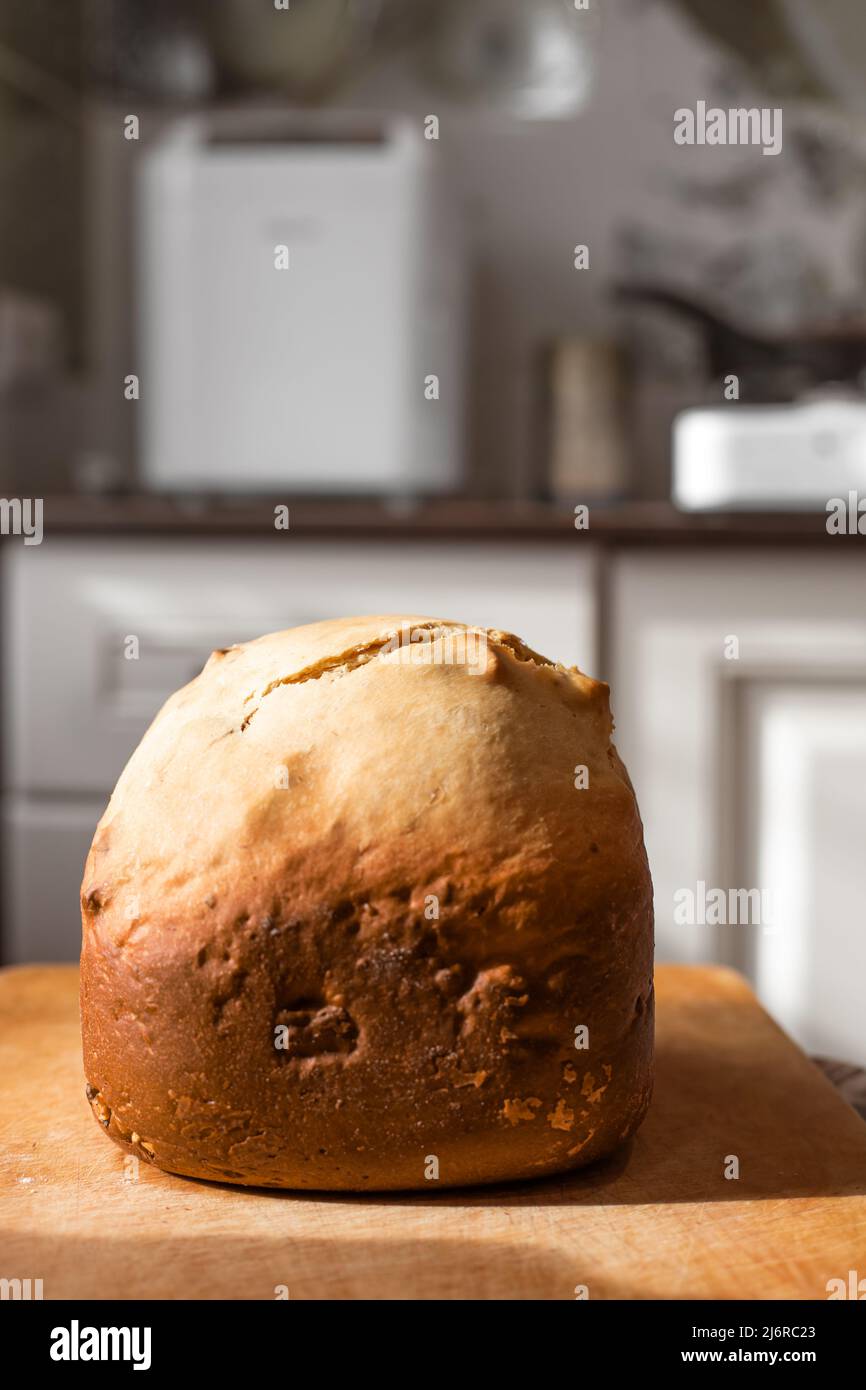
x=316 y=377
x=769 y=457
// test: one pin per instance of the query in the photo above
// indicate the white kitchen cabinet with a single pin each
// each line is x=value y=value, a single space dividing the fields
x=76 y=706
x=804 y=745
x=45 y=844
x=740 y=697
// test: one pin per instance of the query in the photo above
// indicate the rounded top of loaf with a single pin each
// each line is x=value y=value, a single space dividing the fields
x=363 y=759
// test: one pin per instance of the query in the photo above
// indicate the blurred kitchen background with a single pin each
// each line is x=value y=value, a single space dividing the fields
x=327 y=256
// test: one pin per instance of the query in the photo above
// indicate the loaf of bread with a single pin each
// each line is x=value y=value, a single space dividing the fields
x=370 y=908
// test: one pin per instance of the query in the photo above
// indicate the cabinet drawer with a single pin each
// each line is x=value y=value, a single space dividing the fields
x=78 y=705
x=44 y=848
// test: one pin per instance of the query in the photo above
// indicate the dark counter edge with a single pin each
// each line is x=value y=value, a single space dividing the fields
x=632 y=524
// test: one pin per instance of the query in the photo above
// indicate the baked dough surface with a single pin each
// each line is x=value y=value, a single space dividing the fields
x=346 y=909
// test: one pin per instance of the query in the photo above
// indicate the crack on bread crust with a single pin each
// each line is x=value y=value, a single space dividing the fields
x=346 y=662
x=355 y=657
x=520 y=651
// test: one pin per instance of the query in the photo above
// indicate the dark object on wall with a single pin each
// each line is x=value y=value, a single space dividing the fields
x=812 y=356
x=795 y=48
x=762 y=38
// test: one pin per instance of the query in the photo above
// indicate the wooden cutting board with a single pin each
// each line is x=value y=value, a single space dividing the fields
x=659 y=1220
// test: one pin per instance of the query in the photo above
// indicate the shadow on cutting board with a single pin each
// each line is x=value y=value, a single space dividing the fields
x=301 y=1267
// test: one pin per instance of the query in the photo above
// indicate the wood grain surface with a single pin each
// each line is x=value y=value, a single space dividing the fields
x=658 y=1220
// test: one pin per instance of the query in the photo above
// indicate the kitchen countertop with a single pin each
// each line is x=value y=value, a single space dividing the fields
x=657 y=1220
x=631 y=524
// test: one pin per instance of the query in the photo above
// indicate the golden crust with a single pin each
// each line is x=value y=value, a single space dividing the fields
x=347 y=907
